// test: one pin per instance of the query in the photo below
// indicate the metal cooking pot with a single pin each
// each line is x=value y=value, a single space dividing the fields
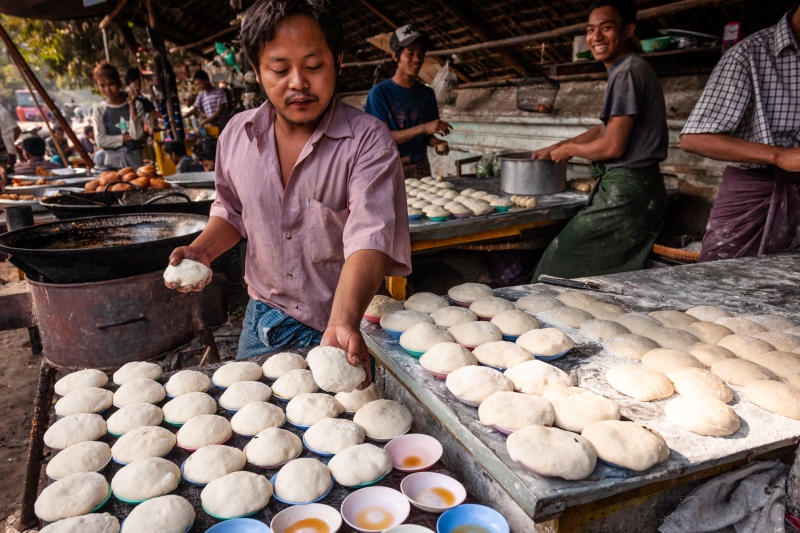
x=519 y=174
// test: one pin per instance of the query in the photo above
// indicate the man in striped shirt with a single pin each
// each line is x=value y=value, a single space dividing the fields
x=211 y=101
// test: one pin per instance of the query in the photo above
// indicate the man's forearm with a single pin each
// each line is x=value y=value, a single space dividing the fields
x=724 y=147
x=588 y=135
x=401 y=136
x=361 y=277
x=218 y=237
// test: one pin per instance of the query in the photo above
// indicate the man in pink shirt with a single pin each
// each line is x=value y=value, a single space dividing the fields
x=315 y=186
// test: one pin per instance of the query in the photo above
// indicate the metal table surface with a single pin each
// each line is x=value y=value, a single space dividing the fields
x=769 y=285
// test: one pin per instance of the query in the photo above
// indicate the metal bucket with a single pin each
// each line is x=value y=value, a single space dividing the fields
x=519 y=174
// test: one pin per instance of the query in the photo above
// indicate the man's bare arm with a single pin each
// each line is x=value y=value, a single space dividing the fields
x=723 y=147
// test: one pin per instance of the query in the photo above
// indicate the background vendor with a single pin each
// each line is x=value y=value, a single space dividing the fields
x=211 y=101
x=315 y=186
x=749 y=116
x=406 y=105
x=627 y=207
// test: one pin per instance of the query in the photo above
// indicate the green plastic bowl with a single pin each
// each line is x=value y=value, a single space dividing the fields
x=657 y=44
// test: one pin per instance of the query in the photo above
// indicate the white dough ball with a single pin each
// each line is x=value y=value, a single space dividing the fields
x=302 y=481
x=81 y=379
x=359 y=464
x=476 y=383
x=513 y=411
x=332 y=371
x=627 y=444
x=552 y=452
x=256 y=417
x=422 y=337
x=703 y=415
x=448 y=317
x=187 y=273
x=425 y=302
x=576 y=408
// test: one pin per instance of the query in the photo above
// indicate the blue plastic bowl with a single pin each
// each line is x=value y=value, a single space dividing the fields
x=312 y=450
x=551 y=357
x=471 y=514
x=240 y=525
x=187 y=480
x=414 y=217
x=393 y=333
x=510 y=338
x=122 y=528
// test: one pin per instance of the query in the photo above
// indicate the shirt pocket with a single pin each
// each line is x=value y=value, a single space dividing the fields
x=325 y=232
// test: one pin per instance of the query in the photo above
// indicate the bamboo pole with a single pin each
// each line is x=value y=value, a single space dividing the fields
x=46 y=122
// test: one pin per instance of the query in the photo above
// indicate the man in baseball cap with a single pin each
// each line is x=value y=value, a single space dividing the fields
x=408 y=106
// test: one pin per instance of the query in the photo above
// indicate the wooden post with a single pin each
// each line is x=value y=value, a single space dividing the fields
x=163 y=67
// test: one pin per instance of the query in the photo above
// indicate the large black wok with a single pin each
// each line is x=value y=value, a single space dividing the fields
x=100 y=248
x=80 y=205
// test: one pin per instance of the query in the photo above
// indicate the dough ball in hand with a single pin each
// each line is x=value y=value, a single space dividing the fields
x=332 y=371
x=187 y=273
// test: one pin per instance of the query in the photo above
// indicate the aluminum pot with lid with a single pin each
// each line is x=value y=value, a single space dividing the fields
x=519 y=174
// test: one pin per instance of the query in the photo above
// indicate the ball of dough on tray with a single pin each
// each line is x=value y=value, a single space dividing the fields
x=538 y=303
x=403 y=320
x=479 y=207
x=741 y=372
x=212 y=462
x=243 y=392
x=75 y=495
x=627 y=444
x=745 y=346
x=602 y=330
x=449 y=194
x=690 y=381
x=255 y=417
x=552 y=452
x=469 y=292
x=272 y=447
x=570 y=317
x=422 y=337
x=139 y=391
x=708 y=354
x=145 y=441
x=353 y=401
x=707 y=313
x=236 y=494
x=475 y=333
x=514 y=322
x=673 y=319
x=293 y=383
x=183 y=408
x=231 y=373
x=448 y=317
x=639 y=383
x=478 y=194
x=501 y=354
x=89 y=400
x=476 y=383
x=773 y=323
x=670 y=338
x=136 y=370
x=546 y=342
x=187 y=273
x=637 y=323
x=499 y=202
x=434 y=211
x=441 y=202
x=663 y=360
x=489 y=306
x=88 y=523
x=146 y=478
x=578 y=300
x=332 y=435
x=281 y=363
x=631 y=346
x=187 y=381
x=741 y=326
x=513 y=411
x=308 y=409
x=302 y=480
x=134 y=416
x=332 y=371
x=73 y=429
x=703 y=415
x=165 y=514
x=383 y=305
x=468 y=192
x=776 y=397
x=419 y=204
x=204 y=430
x=783 y=364
x=425 y=302
x=576 y=408
x=457 y=208
x=359 y=464
x=707 y=332
x=446 y=357
x=605 y=311
x=88 y=456
x=384 y=419
x=532 y=377
x=783 y=342
x=82 y=379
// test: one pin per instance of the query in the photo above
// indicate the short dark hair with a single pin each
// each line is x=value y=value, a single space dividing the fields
x=33 y=145
x=263 y=17
x=108 y=71
x=87 y=130
x=132 y=74
x=175 y=147
x=201 y=75
x=625 y=8
x=206 y=148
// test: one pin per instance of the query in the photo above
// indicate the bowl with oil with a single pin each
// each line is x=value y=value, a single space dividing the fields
x=432 y=492
x=414 y=452
x=311 y=518
x=375 y=509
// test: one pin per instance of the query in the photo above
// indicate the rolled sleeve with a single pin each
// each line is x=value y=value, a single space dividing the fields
x=227 y=204
x=621 y=99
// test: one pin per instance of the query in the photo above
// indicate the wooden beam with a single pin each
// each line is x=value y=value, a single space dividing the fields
x=205 y=41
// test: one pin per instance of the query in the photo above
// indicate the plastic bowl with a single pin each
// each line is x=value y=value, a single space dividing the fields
x=394 y=333
x=298 y=426
x=376 y=439
x=122 y=528
x=439 y=219
x=474 y=515
x=195 y=449
x=362 y=485
x=408 y=528
x=437 y=375
x=373 y=319
x=186 y=479
x=173 y=397
x=292 y=515
x=504 y=431
x=240 y=525
x=270 y=467
x=388 y=505
x=510 y=338
x=657 y=44
x=413 y=353
x=209 y=513
x=467 y=402
x=274 y=478
x=312 y=450
x=461 y=215
x=502 y=209
x=414 y=484
x=414 y=217
x=104 y=501
x=220 y=387
x=462 y=304
x=547 y=358
x=414 y=445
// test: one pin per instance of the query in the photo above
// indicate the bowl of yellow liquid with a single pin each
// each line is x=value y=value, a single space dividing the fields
x=471 y=518
x=375 y=509
x=414 y=452
x=432 y=492
x=311 y=518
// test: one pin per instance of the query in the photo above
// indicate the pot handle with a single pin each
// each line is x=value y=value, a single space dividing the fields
x=161 y=197
x=121 y=322
x=466 y=161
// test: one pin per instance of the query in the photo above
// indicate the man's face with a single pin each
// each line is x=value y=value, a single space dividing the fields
x=59 y=135
x=108 y=88
x=298 y=71
x=90 y=135
x=605 y=34
x=199 y=85
x=410 y=59
x=175 y=158
x=208 y=165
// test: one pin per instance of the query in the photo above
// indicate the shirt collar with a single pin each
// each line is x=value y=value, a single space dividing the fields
x=784 y=37
x=334 y=123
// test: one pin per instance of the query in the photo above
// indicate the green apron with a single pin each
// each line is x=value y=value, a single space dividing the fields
x=615 y=231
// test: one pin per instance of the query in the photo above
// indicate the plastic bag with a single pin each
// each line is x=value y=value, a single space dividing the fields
x=487 y=167
x=444 y=84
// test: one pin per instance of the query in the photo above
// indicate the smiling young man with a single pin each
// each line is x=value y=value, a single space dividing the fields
x=314 y=185
x=626 y=208
x=407 y=106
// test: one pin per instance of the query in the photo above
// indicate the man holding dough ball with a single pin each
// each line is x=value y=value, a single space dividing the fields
x=314 y=185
